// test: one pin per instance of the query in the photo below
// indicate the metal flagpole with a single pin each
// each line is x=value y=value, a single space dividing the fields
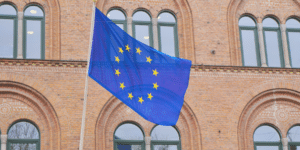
x=86 y=80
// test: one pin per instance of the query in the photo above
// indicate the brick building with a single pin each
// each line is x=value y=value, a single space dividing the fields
x=244 y=90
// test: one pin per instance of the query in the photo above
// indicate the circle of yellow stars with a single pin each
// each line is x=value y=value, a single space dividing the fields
x=118 y=73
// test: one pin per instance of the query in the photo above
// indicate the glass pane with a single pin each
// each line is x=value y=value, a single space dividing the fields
x=166 y=17
x=121 y=26
x=141 y=16
x=293 y=134
x=164 y=133
x=23 y=130
x=269 y=22
x=165 y=147
x=33 y=39
x=272 y=48
x=128 y=147
x=249 y=47
x=34 y=11
x=294 y=45
x=247 y=21
x=266 y=134
x=116 y=14
x=129 y=132
x=7 y=10
x=6 y=38
x=22 y=146
x=292 y=23
x=167 y=40
x=294 y=147
x=142 y=34
x=267 y=148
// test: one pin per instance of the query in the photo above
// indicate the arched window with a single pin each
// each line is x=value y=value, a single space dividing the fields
x=34 y=33
x=293 y=136
x=129 y=136
x=118 y=17
x=293 y=36
x=142 y=27
x=249 y=42
x=273 y=42
x=167 y=34
x=165 y=138
x=266 y=137
x=23 y=136
x=8 y=31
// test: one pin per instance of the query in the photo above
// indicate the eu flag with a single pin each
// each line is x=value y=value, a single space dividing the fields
x=151 y=83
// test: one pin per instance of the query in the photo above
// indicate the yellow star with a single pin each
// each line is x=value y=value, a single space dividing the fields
x=121 y=50
x=155 y=72
x=117 y=72
x=155 y=86
x=138 y=51
x=141 y=100
x=150 y=96
x=149 y=59
x=117 y=59
x=130 y=95
x=127 y=48
x=122 y=85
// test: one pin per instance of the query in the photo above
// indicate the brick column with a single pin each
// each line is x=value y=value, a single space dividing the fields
x=3 y=141
x=20 y=37
x=261 y=45
x=129 y=25
x=148 y=141
x=285 y=143
x=155 y=33
x=285 y=46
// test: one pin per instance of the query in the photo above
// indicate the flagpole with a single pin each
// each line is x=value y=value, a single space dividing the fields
x=86 y=80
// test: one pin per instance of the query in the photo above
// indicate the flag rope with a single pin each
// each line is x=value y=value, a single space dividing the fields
x=86 y=80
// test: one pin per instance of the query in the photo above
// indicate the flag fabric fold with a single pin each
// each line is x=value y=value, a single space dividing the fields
x=151 y=83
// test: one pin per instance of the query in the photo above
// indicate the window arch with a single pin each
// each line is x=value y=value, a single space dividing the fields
x=23 y=135
x=118 y=17
x=142 y=27
x=266 y=137
x=34 y=33
x=165 y=137
x=293 y=136
x=293 y=38
x=273 y=43
x=129 y=136
x=249 y=42
x=8 y=31
x=167 y=34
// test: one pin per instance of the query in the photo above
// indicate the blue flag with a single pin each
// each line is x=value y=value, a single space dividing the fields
x=151 y=83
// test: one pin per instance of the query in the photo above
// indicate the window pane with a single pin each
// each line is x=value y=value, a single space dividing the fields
x=7 y=10
x=121 y=26
x=267 y=148
x=116 y=14
x=142 y=33
x=164 y=133
x=167 y=40
x=129 y=132
x=6 y=38
x=246 y=21
x=141 y=16
x=128 y=147
x=293 y=147
x=249 y=47
x=269 y=22
x=266 y=134
x=34 y=11
x=294 y=134
x=23 y=130
x=22 y=146
x=166 y=17
x=33 y=39
x=165 y=147
x=292 y=23
x=272 y=48
x=294 y=45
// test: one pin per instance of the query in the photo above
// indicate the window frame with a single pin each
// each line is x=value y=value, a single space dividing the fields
x=24 y=141
x=148 y=23
x=168 y=24
x=34 y=18
x=293 y=143
x=279 y=144
x=117 y=21
x=166 y=142
x=288 y=41
x=15 y=38
x=254 y=29
x=280 y=47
